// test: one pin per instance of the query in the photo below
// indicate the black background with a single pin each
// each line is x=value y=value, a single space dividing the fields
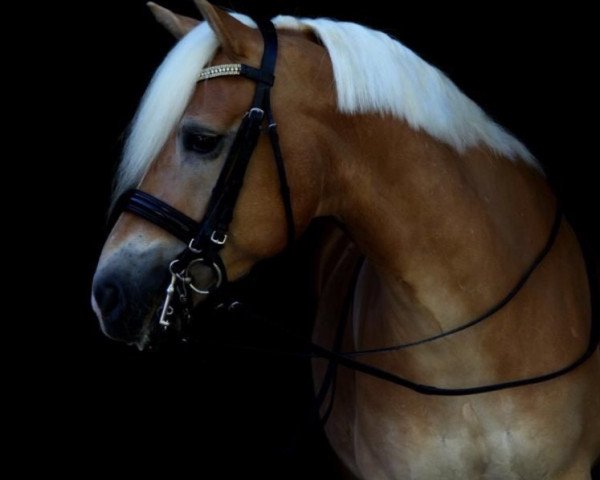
x=125 y=411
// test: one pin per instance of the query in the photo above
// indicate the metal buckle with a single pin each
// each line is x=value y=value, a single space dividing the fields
x=256 y=113
x=218 y=241
x=193 y=249
x=213 y=266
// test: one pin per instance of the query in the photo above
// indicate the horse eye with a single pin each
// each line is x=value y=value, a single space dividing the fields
x=201 y=144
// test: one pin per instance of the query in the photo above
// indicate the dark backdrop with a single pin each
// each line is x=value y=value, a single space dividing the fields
x=119 y=409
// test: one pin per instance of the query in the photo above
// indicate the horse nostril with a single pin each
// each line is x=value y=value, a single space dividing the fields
x=125 y=296
x=108 y=298
x=112 y=295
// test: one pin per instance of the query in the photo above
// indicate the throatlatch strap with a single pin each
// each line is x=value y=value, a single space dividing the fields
x=284 y=187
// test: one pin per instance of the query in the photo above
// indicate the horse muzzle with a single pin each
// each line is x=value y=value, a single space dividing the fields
x=125 y=299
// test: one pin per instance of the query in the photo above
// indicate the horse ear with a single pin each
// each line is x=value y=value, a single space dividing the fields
x=177 y=25
x=232 y=34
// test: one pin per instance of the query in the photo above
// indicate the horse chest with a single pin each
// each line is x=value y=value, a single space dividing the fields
x=460 y=455
x=463 y=442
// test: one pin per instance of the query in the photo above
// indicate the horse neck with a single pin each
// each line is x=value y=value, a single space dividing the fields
x=447 y=234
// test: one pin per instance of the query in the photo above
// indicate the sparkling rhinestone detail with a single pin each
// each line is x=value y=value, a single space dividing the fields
x=220 y=71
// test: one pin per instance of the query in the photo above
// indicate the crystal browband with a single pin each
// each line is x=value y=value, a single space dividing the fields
x=220 y=71
x=232 y=69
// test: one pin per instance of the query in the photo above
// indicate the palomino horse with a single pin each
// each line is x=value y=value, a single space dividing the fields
x=446 y=207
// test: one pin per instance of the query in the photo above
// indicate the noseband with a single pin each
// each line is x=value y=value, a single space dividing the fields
x=205 y=239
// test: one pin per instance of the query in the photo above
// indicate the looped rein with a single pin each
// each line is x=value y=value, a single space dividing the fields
x=205 y=239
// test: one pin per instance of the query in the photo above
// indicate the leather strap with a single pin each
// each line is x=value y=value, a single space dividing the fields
x=267 y=64
x=159 y=213
x=490 y=311
x=206 y=238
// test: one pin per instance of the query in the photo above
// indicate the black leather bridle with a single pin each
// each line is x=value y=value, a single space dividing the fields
x=205 y=239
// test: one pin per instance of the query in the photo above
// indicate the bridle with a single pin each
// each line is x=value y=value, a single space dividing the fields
x=204 y=240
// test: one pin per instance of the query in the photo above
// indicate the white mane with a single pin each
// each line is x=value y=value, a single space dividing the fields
x=373 y=73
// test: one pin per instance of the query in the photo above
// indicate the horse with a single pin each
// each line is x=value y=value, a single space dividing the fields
x=436 y=211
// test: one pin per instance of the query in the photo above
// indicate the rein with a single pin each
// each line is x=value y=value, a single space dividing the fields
x=491 y=311
x=336 y=357
x=205 y=239
x=346 y=360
